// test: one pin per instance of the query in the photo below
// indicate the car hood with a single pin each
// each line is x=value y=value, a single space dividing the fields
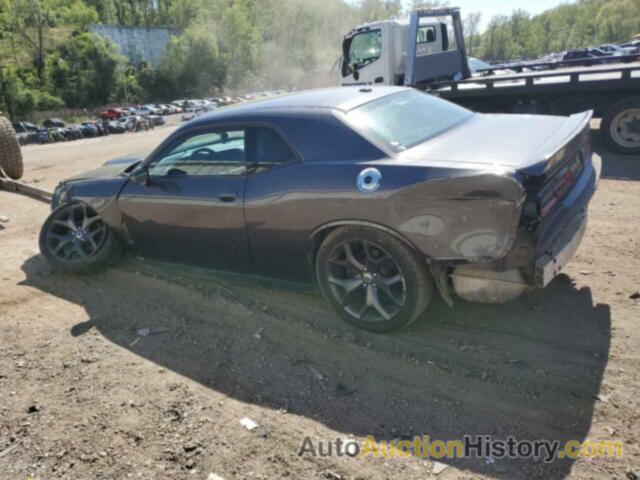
x=499 y=141
x=112 y=168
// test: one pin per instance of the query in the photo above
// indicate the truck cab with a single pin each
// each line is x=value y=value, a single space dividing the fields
x=427 y=52
x=377 y=52
x=374 y=53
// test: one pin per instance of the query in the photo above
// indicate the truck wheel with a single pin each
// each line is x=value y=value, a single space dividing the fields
x=10 y=153
x=620 y=126
x=372 y=279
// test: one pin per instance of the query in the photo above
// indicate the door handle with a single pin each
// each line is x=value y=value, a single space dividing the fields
x=227 y=196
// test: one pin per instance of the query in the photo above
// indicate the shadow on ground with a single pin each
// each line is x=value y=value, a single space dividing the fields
x=530 y=369
x=614 y=165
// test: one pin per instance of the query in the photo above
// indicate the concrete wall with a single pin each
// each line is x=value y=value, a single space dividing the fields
x=138 y=44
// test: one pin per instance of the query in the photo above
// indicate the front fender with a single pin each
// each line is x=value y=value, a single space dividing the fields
x=100 y=194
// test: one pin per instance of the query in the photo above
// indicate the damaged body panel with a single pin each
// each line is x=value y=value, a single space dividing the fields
x=495 y=203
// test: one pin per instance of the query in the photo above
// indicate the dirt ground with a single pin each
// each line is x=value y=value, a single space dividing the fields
x=145 y=370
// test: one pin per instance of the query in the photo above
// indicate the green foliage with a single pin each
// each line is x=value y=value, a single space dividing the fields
x=575 y=25
x=239 y=40
x=191 y=65
x=84 y=70
x=78 y=14
x=19 y=99
x=50 y=59
x=619 y=19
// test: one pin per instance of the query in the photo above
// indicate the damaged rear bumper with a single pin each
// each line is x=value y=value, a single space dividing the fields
x=551 y=262
x=564 y=233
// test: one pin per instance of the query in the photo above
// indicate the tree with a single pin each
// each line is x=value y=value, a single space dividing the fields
x=18 y=99
x=191 y=65
x=415 y=4
x=380 y=9
x=239 y=39
x=31 y=19
x=493 y=40
x=242 y=45
x=471 y=27
x=84 y=70
x=618 y=20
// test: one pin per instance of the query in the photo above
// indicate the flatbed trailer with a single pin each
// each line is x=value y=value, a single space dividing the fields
x=557 y=64
x=423 y=54
x=560 y=91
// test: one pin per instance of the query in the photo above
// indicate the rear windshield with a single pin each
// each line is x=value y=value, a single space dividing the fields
x=403 y=120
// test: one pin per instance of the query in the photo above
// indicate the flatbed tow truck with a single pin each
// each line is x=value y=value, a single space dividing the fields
x=427 y=52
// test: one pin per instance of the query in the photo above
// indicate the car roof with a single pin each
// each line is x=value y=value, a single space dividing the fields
x=337 y=98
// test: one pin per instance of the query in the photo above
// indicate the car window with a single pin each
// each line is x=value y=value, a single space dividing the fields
x=266 y=148
x=426 y=34
x=403 y=120
x=204 y=154
x=364 y=48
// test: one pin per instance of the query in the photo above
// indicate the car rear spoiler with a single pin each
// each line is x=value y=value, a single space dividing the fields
x=568 y=137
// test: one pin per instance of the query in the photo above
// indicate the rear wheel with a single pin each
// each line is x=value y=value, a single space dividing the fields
x=10 y=153
x=620 y=126
x=75 y=239
x=372 y=279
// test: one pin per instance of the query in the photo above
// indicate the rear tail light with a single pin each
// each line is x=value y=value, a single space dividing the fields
x=561 y=183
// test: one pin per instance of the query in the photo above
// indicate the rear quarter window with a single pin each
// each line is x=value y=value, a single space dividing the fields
x=403 y=120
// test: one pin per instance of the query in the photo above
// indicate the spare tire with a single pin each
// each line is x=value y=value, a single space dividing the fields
x=10 y=154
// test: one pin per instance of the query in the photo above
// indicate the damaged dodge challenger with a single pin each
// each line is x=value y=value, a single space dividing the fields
x=379 y=195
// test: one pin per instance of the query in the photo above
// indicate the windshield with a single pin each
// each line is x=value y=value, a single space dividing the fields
x=364 y=48
x=403 y=120
x=476 y=64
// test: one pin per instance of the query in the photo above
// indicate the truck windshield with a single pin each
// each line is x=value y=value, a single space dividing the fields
x=406 y=119
x=364 y=48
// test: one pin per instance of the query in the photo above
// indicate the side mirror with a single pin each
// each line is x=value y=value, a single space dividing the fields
x=140 y=176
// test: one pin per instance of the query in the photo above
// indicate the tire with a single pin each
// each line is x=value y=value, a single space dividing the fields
x=615 y=119
x=387 y=258
x=10 y=153
x=109 y=246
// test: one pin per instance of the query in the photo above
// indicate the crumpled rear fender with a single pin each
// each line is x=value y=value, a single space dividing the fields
x=471 y=218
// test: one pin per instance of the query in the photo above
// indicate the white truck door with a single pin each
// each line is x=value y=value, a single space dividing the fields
x=363 y=61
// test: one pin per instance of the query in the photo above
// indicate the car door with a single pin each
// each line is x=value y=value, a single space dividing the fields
x=278 y=244
x=191 y=209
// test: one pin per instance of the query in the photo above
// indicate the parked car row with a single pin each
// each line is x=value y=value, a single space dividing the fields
x=602 y=54
x=192 y=108
x=55 y=130
x=127 y=119
x=141 y=110
x=607 y=53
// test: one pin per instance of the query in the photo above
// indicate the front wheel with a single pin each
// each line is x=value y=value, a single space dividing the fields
x=373 y=280
x=76 y=239
x=620 y=126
